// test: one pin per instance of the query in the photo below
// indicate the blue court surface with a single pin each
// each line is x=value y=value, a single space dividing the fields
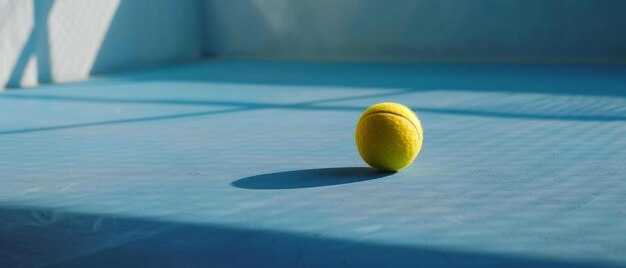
x=253 y=163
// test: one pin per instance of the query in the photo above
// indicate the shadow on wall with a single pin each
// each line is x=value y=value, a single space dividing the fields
x=147 y=33
x=37 y=46
x=71 y=41
x=92 y=240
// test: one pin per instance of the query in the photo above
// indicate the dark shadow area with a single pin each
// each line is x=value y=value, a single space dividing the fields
x=145 y=33
x=238 y=106
x=566 y=79
x=310 y=178
x=120 y=121
x=196 y=102
x=248 y=106
x=37 y=46
x=42 y=237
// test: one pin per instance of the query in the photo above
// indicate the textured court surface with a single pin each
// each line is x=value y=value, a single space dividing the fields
x=248 y=163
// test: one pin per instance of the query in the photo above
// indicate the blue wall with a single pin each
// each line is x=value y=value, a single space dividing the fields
x=532 y=30
x=57 y=41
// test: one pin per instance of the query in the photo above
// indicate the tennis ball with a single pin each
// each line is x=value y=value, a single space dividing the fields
x=388 y=136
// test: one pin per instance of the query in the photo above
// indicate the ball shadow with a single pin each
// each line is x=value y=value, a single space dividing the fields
x=307 y=178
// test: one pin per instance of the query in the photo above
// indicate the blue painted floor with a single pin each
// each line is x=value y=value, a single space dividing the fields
x=235 y=163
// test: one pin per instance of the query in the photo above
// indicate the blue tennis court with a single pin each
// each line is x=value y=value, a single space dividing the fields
x=253 y=163
x=210 y=133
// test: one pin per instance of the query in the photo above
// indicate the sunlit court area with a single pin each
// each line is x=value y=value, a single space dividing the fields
x=312 y=133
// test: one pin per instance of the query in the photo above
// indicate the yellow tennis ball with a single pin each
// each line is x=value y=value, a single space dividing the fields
x=388 y=136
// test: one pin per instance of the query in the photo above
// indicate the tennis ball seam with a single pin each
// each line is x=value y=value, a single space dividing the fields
x=398 y=115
